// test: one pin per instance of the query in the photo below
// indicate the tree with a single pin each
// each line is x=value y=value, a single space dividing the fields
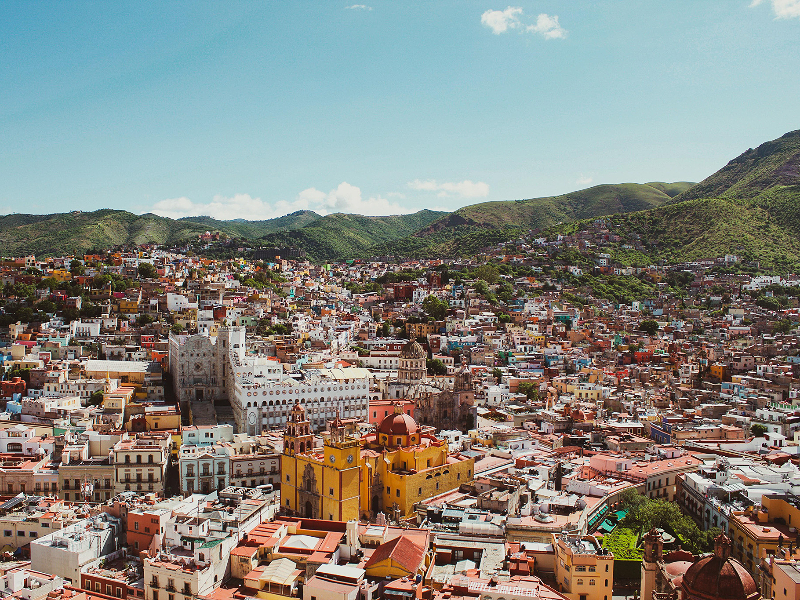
x=650 y=327
x=436 y=367
x=530 y=389
x=147 y=271
x=488 y=273
x=645 y=513
x=758 y=430
x=497 y=374
x=76 y=268
x=435 y=307
x=784 y=326
x=96 y=399
x=177 y=328
x=100 y=281
x=144 y=319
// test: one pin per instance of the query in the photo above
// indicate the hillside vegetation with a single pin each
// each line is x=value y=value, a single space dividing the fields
x=773 y=164
x=77 y=232
x=750 y=208
x=471 y=228
x=342 y=236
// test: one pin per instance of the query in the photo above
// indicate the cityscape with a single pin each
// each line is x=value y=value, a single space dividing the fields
x=540 y=337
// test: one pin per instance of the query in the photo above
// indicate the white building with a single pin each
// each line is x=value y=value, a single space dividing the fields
x=260 y=405
x=66 y=552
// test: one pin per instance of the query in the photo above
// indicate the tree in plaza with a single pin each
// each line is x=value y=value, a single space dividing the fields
x=645 y=513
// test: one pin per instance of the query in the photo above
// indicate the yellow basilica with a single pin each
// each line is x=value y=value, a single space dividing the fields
x=388 y=470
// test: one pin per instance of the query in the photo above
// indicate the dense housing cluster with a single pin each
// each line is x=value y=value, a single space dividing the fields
x=542 y=420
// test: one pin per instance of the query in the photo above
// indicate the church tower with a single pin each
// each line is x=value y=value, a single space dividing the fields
x=412 y=368
x=298 y=437
x=653 y=552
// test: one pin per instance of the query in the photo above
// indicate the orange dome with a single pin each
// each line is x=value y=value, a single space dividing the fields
x=718 y=577
x=398 y=424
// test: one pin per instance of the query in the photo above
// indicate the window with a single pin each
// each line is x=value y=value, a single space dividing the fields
x=580 y=568
x=136 y=525
x=592 y=582
x=580 y=582
x=592 y=569
x=331 y=491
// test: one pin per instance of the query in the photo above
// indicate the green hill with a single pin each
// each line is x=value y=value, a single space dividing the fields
x=341 y=236
x=252 y=229
x=671 y=189
x=76 y=232
x=773 y=164
x=750 y=208
x=473 y=227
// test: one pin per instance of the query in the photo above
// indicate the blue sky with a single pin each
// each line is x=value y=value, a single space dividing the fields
x=256 y=109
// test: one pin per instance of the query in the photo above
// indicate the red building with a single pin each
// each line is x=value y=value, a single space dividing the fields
x=9 y=388
x=379 y=409
x=143 y=524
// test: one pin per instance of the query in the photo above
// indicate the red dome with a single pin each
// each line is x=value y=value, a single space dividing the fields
x=718 y=578
x=398 y=424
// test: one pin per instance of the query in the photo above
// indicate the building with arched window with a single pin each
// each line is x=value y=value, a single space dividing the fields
x=386 y=471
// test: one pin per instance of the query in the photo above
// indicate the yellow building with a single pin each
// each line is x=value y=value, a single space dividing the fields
x=129 y=307
x=758 y=533
x=583 y=569
x=405 y=466
x=116 y=400
x=389 y=470
x=415 y=330
x=61 y=275
x=319 y=485
x=130 y=373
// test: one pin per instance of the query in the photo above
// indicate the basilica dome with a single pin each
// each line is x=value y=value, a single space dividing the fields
x=398 y=429
x=413 y=349
x=719 y=576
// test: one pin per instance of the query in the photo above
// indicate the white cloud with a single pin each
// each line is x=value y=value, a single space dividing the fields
x=548 y=26
x=464 y=189
x=345 y=198
x=500 y=21
x=783 y=9
x=358 y=7
x=584 y=180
